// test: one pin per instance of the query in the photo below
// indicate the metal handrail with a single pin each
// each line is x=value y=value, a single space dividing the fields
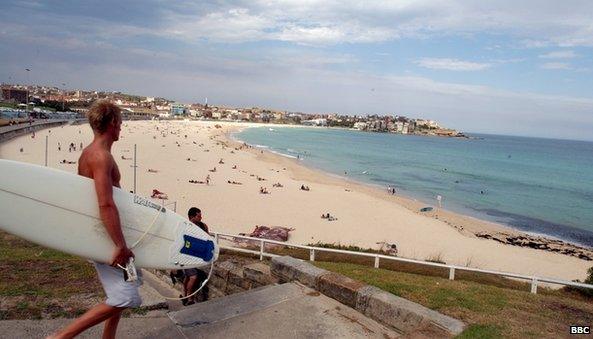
x=452 y=268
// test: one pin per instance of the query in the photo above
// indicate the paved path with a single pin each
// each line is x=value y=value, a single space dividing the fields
x=157 y=326
x=279 y=311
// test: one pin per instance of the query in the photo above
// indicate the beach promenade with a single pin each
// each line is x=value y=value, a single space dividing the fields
x=196 y=164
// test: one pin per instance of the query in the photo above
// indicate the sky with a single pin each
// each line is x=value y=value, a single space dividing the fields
x=503 y=67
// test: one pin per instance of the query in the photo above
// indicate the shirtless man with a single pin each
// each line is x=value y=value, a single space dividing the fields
x=97 y=163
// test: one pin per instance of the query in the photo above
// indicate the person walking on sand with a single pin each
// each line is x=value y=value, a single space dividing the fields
x=97 y=163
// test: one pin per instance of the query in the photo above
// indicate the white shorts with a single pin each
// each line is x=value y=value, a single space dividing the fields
x=120 y=293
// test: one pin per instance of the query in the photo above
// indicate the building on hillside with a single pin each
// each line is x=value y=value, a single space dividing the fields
x=177 y=109
x=361 y=126
x=14 y=94
x=278 y=115
x=421 y=123
x=314 y=122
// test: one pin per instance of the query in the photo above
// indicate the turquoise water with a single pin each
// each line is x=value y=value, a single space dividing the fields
x=540 y=186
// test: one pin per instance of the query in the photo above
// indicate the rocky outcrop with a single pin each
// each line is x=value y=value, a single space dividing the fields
x=539 y=243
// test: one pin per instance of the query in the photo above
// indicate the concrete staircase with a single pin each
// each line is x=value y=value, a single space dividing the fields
x=289 y=310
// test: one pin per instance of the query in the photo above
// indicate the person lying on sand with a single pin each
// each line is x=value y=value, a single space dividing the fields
x=196 y=182
x=260 y=178
x=150 y=170
x=64 y=161
x=277 y=185
x=124 y=158
x=213 y=170
x=390 y=249
x=305 y=188
x=159 y=195
x=234 y=182
x=235 y=167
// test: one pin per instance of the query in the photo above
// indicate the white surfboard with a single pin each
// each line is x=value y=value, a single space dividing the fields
x=59 y=210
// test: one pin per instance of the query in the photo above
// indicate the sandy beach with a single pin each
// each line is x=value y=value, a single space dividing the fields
x=171 y=153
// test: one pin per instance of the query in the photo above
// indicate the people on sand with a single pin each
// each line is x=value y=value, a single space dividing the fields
x=328 y=217
x=159 y=195
x=304 y=188
x=193 y=276
x=263 y=190
x=97 y=163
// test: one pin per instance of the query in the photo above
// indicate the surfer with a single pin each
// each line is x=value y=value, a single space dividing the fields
x=97 y=163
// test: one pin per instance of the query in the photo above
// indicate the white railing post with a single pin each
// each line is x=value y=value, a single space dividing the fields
x=312 y=255
x=216 y=238
x=377 y=262
x=452 y=273
x=46 y=143
x=135 y=167
x=261 y=250
x=534 y=285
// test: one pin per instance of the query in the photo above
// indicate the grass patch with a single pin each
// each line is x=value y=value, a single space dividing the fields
x=414 y=268
x=490 y=311
x=481 y=331
x=37 y=282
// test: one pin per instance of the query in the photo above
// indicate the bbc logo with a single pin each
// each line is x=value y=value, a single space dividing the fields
x=580 y=329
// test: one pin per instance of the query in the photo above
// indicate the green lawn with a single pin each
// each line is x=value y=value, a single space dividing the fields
x=36 y=282
x=490 y=311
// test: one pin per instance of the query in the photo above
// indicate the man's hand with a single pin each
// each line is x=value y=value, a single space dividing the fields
x=121 y=256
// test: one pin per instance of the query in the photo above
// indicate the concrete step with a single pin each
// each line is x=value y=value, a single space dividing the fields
x=289 y=310
x=130 y=328
x=234 y=305
x=151 y=299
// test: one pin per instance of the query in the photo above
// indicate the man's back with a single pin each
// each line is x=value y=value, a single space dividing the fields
x=94 y=157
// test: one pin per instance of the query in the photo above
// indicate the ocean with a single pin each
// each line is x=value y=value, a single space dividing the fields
x=540 y=186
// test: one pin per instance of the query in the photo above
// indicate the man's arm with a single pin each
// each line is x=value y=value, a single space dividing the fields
x=102 y=167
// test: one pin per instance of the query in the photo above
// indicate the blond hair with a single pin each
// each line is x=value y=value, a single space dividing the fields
x=101 y=114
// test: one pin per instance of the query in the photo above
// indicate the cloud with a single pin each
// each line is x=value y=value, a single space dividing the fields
x=567 y=54
x=555 y=65
x=451 y=64
x=537 y=23
x=305 y=55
